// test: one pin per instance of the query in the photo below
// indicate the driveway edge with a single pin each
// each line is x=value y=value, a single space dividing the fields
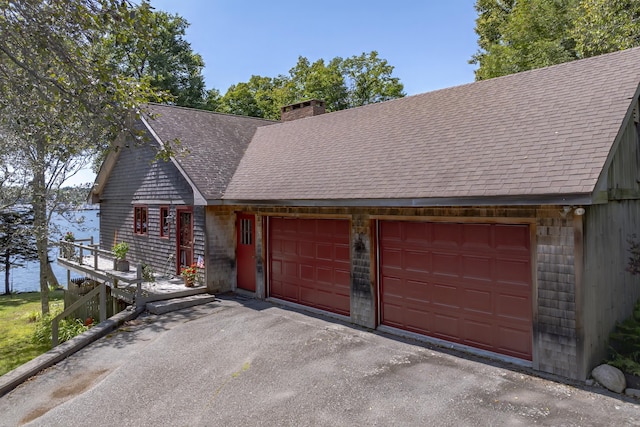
x=14 y=378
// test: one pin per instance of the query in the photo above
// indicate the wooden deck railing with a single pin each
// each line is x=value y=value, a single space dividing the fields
x=68 y=250
x=55 y=322
x=126 y=293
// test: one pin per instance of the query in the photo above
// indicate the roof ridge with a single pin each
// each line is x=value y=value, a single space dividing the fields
x=518 y=74
x=201 y=110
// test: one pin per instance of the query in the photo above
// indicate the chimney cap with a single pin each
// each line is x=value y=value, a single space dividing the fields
x=302 y=104
x=299 y=110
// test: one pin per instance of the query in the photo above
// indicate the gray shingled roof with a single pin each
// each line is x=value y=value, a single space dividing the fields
x=216 y=143
x=542 y=132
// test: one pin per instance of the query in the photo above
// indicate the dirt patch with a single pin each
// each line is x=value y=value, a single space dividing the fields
x=74 y=386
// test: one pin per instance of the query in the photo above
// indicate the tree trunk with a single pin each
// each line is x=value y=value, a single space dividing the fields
x=51 y=277
x=40 y=224
x=7 y=267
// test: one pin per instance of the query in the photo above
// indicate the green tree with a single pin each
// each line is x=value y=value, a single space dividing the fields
x=519 y=35
x=62 y=98
x=17 y=243
x=603 y=26
x=317 y=81
x=369 y=80
x=252 y=98
x=353 y=82
x=157 y=49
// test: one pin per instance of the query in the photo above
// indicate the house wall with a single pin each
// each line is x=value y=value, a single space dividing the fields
x=555 y=326
x=552 y=239
x=221 y=248
x=137 y=179
x=609 y=292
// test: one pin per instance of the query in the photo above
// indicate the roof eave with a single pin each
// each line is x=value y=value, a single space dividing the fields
x=582 y=199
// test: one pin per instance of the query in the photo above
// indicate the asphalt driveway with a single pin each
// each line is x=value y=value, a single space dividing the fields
x=246 y=362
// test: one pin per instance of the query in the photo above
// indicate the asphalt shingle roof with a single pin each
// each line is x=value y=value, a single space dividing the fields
x=215 y=142
x=540 y=132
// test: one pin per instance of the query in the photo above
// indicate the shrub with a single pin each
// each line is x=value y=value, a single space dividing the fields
x=67 y=328
x=147 y=273
x=624 y=344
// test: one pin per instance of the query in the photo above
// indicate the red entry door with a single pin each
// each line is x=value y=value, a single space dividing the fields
x=185 y=238
x=246 y=252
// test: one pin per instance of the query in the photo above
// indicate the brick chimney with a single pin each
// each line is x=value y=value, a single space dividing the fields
x=310 y=108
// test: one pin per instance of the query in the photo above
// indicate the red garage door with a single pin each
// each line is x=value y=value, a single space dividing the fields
x=466 y=283
x=309 y=262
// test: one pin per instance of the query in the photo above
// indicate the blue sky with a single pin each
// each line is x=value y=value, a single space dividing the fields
x=429 y=42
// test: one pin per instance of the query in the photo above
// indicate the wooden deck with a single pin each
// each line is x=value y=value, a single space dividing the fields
x=98 y=265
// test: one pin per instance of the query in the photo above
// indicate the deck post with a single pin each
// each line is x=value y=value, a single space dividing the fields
x=103 y=302
x=114 y=303
x=138 y=285
x=54 y=332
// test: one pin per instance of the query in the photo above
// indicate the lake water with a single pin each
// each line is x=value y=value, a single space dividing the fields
x=27 y=278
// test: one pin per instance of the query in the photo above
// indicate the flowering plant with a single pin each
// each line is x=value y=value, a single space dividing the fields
x=189 y=273
x=69 y=237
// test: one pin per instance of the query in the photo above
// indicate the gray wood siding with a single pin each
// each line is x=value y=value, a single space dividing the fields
x=609 y=292
x=623 y=171
x=137 y=179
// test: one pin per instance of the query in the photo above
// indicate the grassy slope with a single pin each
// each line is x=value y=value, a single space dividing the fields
x=17 y=327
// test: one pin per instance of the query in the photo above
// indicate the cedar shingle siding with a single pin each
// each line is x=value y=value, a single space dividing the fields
x=554 y=149
x=137 y=179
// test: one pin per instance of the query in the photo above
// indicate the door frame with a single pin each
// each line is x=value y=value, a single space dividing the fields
x=179 y=210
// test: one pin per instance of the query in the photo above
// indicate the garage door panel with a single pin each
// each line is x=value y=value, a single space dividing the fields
x=310 y=262
x=413 y=232
x=446 y=326
x=477 y=268
x=478 y=333
x=445 y=295
x=512 y=238
x=514 y=341
x=514 y=306
x=445 y=235
x=476 y=237
x=475 y=288
x=306 y=249
x=342 y=280
x=478 y=300
x=513 y=271
x=307 y=272
x=445 y=264
x=416 y=260
x=342 y=252
x=417 y=292
x=324 y=251
x=289 y=247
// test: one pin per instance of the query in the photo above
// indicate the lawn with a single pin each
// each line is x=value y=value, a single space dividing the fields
x=17 y=328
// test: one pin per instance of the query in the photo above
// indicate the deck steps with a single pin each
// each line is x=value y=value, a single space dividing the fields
x=166 y=306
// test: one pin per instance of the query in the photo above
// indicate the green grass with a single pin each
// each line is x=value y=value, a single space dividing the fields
x=17 y=326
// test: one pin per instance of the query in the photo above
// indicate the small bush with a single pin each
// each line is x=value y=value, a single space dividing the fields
x=147 y=273
x=32 y=316
x=70 y=328
x=624 y=344
x=67 y=328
